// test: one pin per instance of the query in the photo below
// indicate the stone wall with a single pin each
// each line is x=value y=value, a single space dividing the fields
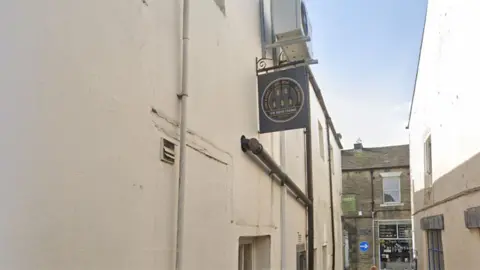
x=359 y=223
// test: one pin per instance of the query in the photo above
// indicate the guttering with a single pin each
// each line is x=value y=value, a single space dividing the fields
x=183 y=96
x=256 y=148
x=318 y=94
x=330 y=180
x=418 y=66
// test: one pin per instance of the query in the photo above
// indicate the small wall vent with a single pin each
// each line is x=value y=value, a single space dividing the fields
x=167 y=154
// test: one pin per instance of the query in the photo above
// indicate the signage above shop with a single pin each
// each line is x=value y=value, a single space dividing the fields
x=283 y=100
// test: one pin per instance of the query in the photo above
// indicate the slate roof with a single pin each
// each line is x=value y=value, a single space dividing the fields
x=376 y=157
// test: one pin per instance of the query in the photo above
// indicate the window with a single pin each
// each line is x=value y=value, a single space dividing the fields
x=301 y=257
x=321 y=141
x=245 y=256
x=221 y=5
x=428 y=162
x=391 y=187
x=394 y=240
x=435 y=250
x=254 y=252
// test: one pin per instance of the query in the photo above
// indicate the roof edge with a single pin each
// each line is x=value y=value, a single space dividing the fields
x=318 y=93
x=418 y=66
x=375 y=168
x=376 y=147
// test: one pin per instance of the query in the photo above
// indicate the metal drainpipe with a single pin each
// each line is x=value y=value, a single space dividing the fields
x=330 y=180
x=310 y=209
x=183 y=96
x=283 y=190
x=374 y=257
x=254 y=147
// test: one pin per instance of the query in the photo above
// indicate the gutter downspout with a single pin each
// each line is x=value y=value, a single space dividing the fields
x=310 y=210
x=183 y=96
x=283 y=193
x=330 y=180
x=374 y=259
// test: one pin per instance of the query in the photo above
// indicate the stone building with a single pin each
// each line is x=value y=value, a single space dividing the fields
x=376 y=207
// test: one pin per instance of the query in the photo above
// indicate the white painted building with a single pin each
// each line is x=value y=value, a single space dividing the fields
x=444 y=138
x=90 y=113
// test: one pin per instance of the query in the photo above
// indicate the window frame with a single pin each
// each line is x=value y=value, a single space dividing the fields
x=435 y=254
x=392 y=176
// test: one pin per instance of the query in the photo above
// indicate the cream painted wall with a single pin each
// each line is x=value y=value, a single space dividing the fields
x=83 y=184
x=445 y=104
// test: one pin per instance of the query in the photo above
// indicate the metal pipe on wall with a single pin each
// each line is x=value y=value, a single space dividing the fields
x=255 y=147
x=374 y=257
x=183 y=96
x=283 y=193
x=310 y=209
x=330 y=180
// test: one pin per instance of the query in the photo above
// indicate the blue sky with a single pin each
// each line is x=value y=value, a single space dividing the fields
x=367 y=52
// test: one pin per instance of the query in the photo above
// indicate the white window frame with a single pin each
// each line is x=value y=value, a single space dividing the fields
x=396 y=176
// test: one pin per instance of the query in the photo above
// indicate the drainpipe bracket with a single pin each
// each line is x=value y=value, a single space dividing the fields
x=244 y=143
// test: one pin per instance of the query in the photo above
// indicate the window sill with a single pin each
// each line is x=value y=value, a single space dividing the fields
x=391 y=204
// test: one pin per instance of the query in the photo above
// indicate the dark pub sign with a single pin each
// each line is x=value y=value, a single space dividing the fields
x=283 y=100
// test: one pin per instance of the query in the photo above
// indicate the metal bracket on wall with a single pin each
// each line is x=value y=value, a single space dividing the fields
x=287 y=42
x=262 y=64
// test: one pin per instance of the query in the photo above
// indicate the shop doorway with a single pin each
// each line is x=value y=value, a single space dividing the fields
x=395 y=244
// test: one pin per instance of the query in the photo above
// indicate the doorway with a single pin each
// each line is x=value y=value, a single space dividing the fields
x=394 y=243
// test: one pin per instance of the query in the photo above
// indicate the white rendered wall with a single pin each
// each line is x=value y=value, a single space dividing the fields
x=83 y=186
x=446 y=98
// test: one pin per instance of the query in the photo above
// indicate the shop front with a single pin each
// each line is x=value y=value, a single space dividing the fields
x=395 y=244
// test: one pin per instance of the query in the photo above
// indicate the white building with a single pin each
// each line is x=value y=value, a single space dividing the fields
x=89 y=157
x=444 y=139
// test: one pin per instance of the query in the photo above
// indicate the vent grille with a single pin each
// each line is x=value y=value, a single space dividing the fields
x=299 y=237
x=168 y=151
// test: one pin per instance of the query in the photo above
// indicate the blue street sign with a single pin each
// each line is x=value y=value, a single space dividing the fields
x=364 y=246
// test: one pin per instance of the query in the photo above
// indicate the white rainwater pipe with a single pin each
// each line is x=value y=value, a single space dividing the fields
x=183 y=96
x=283 y=192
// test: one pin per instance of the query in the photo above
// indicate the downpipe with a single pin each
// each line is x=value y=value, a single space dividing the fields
x=330 y=180
x=283 y=190
x=374 y=256
x=310 y=208
x=183 y=96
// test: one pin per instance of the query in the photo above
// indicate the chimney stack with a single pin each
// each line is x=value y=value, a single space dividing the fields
x=358 y=145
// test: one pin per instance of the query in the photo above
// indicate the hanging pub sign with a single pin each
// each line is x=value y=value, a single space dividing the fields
x=283 y=100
